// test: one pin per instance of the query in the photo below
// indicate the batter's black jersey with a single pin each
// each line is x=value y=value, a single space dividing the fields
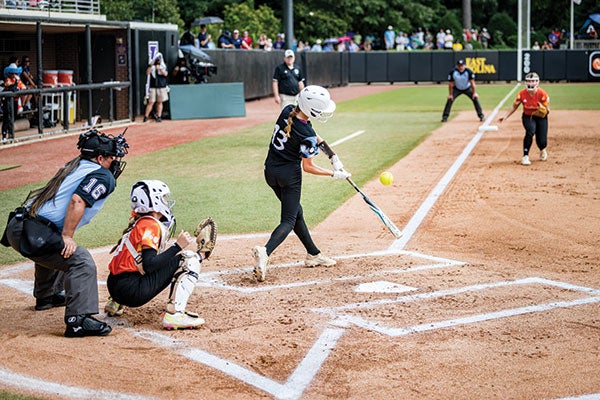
x=301 y=143
x=288 y=79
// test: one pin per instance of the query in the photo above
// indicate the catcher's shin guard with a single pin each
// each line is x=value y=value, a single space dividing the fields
x=184 y=281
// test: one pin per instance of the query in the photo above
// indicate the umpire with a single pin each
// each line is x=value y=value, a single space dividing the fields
x=288 y=81
x=43 y=229
x=461 y=80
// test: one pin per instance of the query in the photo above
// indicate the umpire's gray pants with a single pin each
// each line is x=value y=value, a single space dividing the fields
x=80 y=279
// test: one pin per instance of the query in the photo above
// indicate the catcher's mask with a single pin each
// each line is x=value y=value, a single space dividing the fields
x=532 y=80
x=93 y=144
x=153 y=195
x=315 y=102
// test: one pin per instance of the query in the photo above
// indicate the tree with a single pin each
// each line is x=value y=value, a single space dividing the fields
x=244 y=17
x=503 y=30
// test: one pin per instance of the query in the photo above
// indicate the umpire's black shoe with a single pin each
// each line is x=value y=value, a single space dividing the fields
x=482 y=118
x=56 y=300
x=444 y=119
x=85 y=325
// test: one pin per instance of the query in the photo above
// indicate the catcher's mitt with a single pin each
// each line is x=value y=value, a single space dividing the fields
x=206 y=236
x=540 y=112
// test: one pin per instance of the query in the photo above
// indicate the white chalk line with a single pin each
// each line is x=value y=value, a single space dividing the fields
x=303 y=375
x=20 y=381
x=416 y=220
x=339 y=312
x=294 y=386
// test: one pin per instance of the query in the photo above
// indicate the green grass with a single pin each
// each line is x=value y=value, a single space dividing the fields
x=222 y=176
x=10 y=396
x=4 y=167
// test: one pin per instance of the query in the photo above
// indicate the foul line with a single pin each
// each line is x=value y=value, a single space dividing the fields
x=416 y=220
x=64 y=391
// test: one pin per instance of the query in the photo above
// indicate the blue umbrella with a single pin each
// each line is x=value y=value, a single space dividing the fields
x=207 y=21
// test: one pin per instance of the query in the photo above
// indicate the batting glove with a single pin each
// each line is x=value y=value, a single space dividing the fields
x=336 y=163
x=341 y=174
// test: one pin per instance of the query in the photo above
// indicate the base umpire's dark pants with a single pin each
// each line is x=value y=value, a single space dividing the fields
x=286 y=182
x=534 y=126
x=455 y=93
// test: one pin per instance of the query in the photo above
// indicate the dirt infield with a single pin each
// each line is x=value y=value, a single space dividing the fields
x=493 y=292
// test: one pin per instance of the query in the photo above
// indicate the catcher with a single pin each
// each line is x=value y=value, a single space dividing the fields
x=143 y=265
x=536 y=106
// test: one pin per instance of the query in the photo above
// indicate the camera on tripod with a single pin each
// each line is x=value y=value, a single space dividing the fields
x=199 y=64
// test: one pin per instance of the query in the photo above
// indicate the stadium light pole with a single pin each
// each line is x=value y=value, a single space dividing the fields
x=572 y=28
x=288 y=19
x=523 y=35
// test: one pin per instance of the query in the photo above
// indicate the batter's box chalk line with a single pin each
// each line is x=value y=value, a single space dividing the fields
x=307 y=369
x=214 y=278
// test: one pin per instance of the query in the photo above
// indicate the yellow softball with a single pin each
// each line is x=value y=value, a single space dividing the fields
x=386 y=178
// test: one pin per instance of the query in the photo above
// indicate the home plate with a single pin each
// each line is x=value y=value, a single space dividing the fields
x=383 y=287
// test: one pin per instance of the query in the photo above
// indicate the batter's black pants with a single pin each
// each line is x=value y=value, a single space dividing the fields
x=286 y=182
x=534 y=126
x=455 y=94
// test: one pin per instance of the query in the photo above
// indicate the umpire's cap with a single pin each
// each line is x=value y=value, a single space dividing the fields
x=460 y=62
x=93 y=144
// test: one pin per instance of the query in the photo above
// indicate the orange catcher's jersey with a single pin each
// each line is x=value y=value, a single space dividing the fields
x=147 y=232
x=530 y=102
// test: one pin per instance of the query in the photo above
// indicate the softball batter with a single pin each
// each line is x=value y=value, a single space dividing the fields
x=535 y=122
x=293 y=145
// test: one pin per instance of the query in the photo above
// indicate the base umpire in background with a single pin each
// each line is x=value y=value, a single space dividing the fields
x=461 y=80
x=288 y=81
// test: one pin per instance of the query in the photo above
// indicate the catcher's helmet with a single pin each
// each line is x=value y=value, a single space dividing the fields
x=152 y=195
x=315 y=102
x=93 y=144
x=532 y=80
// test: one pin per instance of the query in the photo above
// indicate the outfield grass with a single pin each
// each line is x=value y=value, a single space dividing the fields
x=222 y=176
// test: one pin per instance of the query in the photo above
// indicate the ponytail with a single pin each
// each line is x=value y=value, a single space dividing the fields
x=290 y=121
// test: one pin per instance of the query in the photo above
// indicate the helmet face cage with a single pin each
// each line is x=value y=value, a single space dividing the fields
x=532 y=80
x=153 y=195
x=315 y=102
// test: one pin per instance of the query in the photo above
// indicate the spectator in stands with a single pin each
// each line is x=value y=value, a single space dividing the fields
x=591 y=32
x=536 y=45
x=236 y=40
x=440 y=39
x=29 y=82
x=546 y=46
x=247 y=43
x=203 y=37
x=12 y=83
x=279 y=42
x=225 y=41
x=187 y=38
x=390 y=38
x=554 y=38
x=367 y=45
x=317 y=46
x=448 y=40
x=485 y=38
x=262 y=41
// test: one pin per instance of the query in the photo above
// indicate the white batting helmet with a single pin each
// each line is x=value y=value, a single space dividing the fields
x=152 y=195
x=315 y=102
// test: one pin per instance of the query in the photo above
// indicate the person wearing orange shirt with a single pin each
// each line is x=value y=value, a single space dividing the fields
x=531 y=98
x=143 y=264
